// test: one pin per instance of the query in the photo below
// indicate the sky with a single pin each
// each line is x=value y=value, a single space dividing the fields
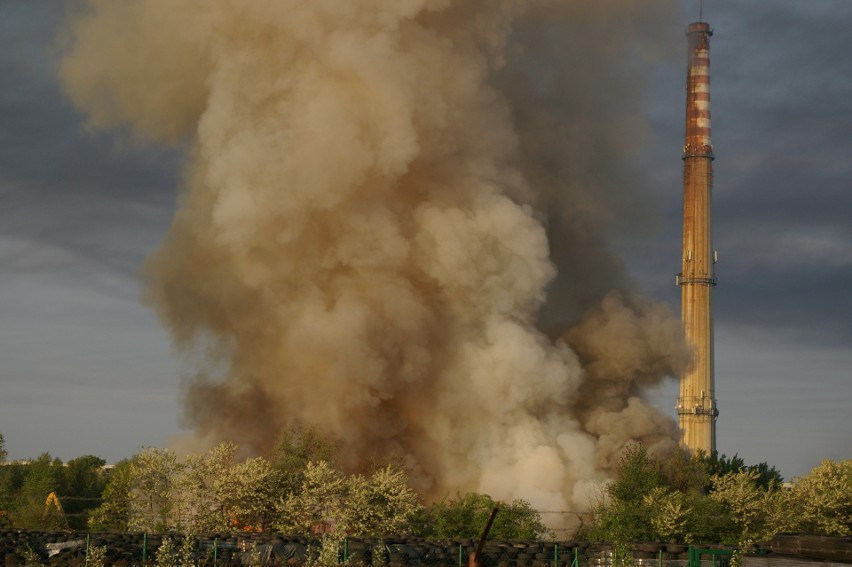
x=86 y=368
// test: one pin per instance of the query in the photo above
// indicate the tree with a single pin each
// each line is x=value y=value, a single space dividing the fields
x=318 y=504
x=823 y=499
x=684 y=472
x=466 y=516
x=113 y=515
x=625 y=511
x=41 y=479
x=719 y=465
x=747 y=504
x=382 y=503
x=3 y=452
x=82 y=481
x=670 y=519
x=295 y=448
x=153 y=472
x=198 y=495
x=248 y=493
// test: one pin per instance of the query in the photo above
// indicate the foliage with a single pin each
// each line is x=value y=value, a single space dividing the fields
x=186 y=551
x=714 y=499
x=823 y=499
x=653 y=500
x=3 y=452
x=295 y=448
x=466 y=517
x=637 y=475
x=319 y=503
x=96 y=556
x=152 y=506
x=746 y=503
x=719 y=465
x=197 y=490
x=671 y=518
x=113 y=515
x=328 y=554
x=626 y=512
x=331 y=503
x=25 y=486
x=41 y=479
x=382 y=503
x=82 y=482
x=248 y=493
x=684 y=472
x=167 y=555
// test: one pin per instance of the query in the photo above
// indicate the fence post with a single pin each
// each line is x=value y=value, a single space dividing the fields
x=460 y=555
x=144 y=547
x=215 y=550
x=345 y=549
x=87 y=548
x=556 y=555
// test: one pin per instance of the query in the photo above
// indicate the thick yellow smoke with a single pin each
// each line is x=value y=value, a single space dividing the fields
x=361 y=243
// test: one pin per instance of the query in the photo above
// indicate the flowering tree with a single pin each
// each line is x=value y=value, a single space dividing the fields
x=154 y=473
x=823 y=499
x=248 y=492
x=318 y=505
x=198 y=493
x=382 y=503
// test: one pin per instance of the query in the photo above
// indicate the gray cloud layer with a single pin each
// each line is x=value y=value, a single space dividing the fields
x=78 y=215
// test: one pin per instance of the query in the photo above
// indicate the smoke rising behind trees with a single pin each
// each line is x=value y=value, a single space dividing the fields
x=393 y=226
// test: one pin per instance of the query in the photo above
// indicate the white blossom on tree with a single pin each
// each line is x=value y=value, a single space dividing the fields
x=248 y=492
x=319 y=503
x=382 y=503
x=823 y=499
x=152 y=505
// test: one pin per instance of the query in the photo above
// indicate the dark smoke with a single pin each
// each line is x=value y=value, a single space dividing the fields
x=380 y=195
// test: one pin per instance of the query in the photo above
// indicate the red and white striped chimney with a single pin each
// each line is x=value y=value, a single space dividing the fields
x=696 y=406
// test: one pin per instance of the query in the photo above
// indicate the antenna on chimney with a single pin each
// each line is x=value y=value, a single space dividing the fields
x=701 y=10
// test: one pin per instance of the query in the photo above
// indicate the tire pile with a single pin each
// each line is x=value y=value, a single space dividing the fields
x=69 y=549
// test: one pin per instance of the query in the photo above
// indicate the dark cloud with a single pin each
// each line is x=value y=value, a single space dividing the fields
x=80 y=211
x=102 y=200
x=781 y=102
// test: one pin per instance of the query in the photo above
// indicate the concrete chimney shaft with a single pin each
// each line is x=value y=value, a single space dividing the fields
x=696 y=406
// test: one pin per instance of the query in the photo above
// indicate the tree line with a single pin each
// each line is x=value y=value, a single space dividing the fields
x=713 y=499
x=297 y=488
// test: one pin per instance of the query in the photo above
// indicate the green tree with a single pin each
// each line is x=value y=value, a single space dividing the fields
x=318 y=504
x=381 y=503
x=249 y=492
x=465 y=516
x=31 y=510
x=82 y=482
x=719 y=465
x=297 y=446
x=823 y=499
x=3 y=452
x=152 y=503
x=334 y=504
x=12 y=477
x=670 y=519
x=113 y=515
x=624 y=513
x=684 y=472
x=198 y=496
x=746 y=503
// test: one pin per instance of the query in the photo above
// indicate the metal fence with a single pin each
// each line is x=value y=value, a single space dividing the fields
x=273 y=550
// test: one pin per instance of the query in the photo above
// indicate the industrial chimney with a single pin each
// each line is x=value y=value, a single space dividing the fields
x=696 y=406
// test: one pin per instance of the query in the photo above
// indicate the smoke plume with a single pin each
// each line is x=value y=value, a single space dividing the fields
x=393 y=225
